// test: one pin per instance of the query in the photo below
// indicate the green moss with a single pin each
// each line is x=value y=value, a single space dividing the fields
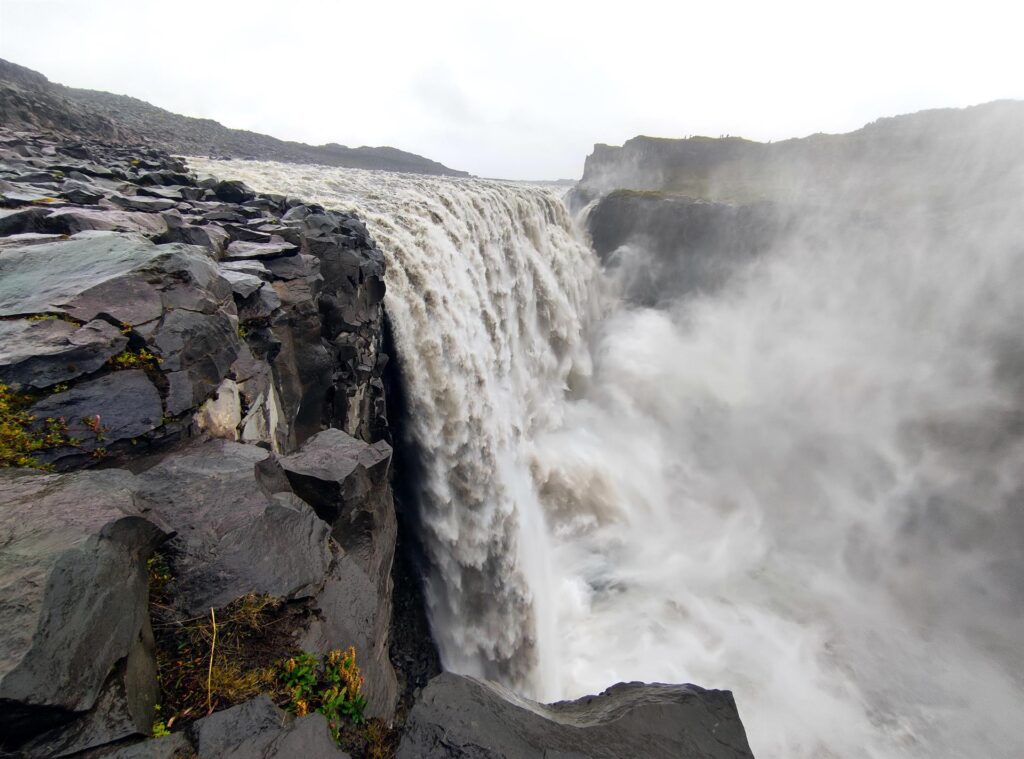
x=140 y=359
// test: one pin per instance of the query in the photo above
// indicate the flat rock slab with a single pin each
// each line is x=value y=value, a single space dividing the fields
x=40 y=278
x=457 y=717
x=242 y=249
x=126 y=403
x=68 y=221
x=40 y=353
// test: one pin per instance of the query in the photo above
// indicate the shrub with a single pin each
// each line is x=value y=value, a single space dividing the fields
x=331 y=685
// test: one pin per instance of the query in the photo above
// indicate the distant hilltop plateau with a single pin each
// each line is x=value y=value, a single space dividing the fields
x=937 y=155
x=30 y=101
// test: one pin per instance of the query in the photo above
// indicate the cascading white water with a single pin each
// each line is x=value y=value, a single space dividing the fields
x=806 y=487
x=488 y=291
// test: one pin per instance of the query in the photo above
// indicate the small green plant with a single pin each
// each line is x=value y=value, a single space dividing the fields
x=19 y=439
x=159 y=726
x=59 y=388
x=242 y=331
x=331 y=685
x=52 y=317
x=140 y=359
x=22 y=436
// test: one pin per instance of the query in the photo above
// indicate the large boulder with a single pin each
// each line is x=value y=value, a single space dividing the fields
x=259 y=730
x=457 y=717
x=255 y=729
x=75 y=645
x=231 y=537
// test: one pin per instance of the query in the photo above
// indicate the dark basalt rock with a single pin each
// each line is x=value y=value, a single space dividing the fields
x=135 y=203
x=232 y=537
x=255 y=729
x=75 y=645
x=68 y=221
x=259 y=730
x=346 y=481
x=458 y=717
x=241 y=249
x=44 y=352
x=663 y=247
x=233 y=192
x=125 y=404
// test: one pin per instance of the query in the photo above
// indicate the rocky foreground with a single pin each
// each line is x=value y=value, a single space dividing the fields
x=197 y=517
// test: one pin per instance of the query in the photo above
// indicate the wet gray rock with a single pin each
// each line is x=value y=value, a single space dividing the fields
x=233 y=191
x=259 y=730
x=232 y=538
x=209 y=236
x=125 y=404
x=75 y=645
x=242 y=283
x=136 y=203
x=346 y=481
x=256 y=729
x=41 y=278
x=81 y=193
x=242 y=249
x=68 y=221
x=458 y=717
x=21 y=220
x=41 y=353
x=336 y=473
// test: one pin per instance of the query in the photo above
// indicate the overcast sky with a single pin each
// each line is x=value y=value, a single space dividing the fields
x=524 y=89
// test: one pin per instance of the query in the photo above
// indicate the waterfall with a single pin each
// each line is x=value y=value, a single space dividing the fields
x=488 y=293
x=805 y=487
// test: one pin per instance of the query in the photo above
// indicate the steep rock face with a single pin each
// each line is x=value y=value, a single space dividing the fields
x=75 y=643
x=890 y=160
x=661 y=247
x=346 y=482
x=459 y=717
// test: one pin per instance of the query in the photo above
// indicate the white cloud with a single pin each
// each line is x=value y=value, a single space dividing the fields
x=524 y=89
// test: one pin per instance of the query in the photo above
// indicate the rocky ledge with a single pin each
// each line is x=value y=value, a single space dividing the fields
x=198 y=534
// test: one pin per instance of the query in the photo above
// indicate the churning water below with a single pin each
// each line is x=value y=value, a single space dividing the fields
x=806 y=488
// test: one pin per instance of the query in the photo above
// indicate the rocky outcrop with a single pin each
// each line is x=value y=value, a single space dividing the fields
x=220 y=352
x=459 y=717
x=28 y=100
x=891 y=160
x=253 y=318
